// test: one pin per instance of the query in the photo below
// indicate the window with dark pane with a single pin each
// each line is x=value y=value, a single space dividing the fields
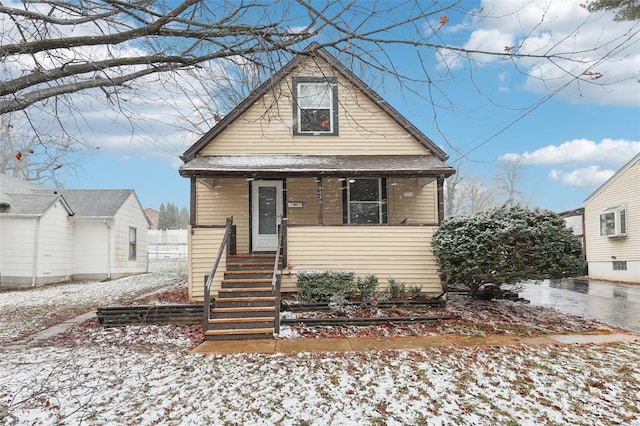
x=133 y=243
x=267 y=210
x=315 y=101
x=365 y=200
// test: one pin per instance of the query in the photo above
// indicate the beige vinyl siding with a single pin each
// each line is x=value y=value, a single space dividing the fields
x=204 y=244
x=305 y=191
x=266 y=127
x=399 y=252
x=332 y=201
x=413 y=200
x=227 y=197
x=624 y=189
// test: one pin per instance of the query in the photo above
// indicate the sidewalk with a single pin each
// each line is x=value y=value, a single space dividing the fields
x=288 y=346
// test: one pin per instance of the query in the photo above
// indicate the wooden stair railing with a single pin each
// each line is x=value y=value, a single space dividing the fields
x=248 y=302
x=277 y=272
x=224 y=245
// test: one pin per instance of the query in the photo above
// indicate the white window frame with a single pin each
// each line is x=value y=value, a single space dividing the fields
x=133 y=243
x=616 y=216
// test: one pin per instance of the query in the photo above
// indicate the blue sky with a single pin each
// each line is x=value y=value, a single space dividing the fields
x=568 y=143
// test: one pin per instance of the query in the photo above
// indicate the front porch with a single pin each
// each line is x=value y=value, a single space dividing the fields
x=246 y=288
x=345 y=214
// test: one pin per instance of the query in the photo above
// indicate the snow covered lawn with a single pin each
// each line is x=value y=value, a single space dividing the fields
x=146 y=375
x=25 y=312
x=118 y=381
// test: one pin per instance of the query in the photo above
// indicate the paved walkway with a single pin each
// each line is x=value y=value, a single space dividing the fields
x=270 y=346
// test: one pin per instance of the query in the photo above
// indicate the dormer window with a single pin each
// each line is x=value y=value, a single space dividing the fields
x=315 y=102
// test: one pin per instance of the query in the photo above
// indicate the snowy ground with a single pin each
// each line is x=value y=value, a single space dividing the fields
x=28 y=311
x=114 y=384
x=147 y=376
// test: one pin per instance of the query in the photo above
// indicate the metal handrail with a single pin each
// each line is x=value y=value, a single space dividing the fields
x=277 y=274
x=207 y=283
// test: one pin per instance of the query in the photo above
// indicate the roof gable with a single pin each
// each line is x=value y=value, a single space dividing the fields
x=314 y=51
x=103 y=203
x=616 y=175
x=34 y=205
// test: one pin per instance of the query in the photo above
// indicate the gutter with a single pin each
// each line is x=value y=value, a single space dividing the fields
x=106 y=222
x=36 y=239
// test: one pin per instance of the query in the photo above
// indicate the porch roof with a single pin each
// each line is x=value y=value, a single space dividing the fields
x=315 y=165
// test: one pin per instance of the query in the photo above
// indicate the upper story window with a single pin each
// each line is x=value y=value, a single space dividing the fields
x=613 y=221
x=315 y=106
x=366 y=200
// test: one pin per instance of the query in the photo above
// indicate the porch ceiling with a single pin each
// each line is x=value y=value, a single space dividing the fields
x=315 y=165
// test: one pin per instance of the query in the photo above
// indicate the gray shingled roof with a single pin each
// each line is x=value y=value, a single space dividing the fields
x=95 y=202
x=13 y=185
x=30 y=204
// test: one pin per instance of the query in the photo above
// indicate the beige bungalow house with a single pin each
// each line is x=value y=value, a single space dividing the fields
x=317 y=167
x=612 y=226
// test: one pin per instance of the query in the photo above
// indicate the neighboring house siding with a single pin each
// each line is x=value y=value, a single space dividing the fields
x=400 y=252
x=271 y=132
x=129 y=215
x=55 y=254
x=16 y=259
x=623 y=189
x=90 y=249
x=53 y=239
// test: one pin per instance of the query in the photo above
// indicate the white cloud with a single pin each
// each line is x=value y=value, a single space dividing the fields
x=589 y=177
x=577 y=39
x=614 y=152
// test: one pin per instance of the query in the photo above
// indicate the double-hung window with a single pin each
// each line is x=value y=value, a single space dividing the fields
x=613 y=221
x=133 y=243
x=315 y=106
x=365 y=200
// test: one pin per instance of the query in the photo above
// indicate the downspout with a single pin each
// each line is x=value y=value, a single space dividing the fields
x=106 y=222
x=36 y=238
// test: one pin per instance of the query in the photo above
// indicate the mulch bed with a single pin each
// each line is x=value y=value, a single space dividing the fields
x=463 y=317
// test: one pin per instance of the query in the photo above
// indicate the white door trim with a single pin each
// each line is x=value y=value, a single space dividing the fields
x=265 y=241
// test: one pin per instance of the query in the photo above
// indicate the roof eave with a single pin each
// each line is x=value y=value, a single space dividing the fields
x=202 y=173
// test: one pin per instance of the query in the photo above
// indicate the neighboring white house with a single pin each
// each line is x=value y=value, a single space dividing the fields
x=49 y=236
x=574 y=220
x=612 y=226
x=110 y=233
x=36 y=240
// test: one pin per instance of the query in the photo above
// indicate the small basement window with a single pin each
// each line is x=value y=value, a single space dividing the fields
x=133 y=243
x=619 y=265
x=613 y=222
x=315 y=110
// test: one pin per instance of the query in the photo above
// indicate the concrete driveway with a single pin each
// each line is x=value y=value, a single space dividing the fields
x=613 y=303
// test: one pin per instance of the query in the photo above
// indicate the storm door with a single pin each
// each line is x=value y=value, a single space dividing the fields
x=266 y=212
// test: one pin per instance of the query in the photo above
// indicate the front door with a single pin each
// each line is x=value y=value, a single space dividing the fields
x=266 y=212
